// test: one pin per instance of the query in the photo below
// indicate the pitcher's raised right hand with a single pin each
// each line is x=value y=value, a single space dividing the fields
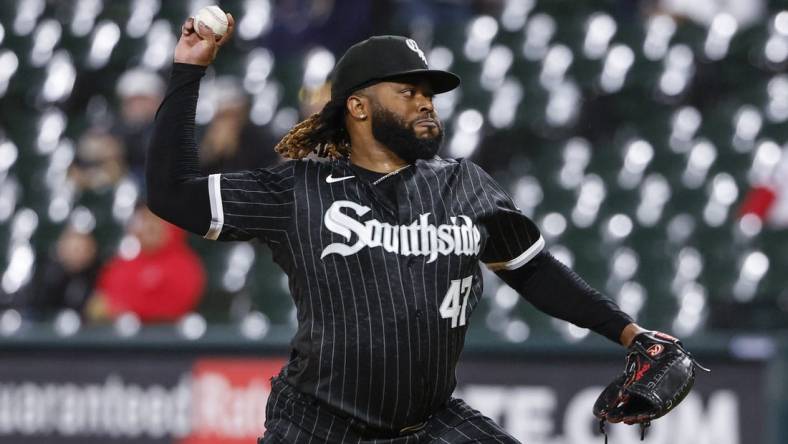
x=196 y=50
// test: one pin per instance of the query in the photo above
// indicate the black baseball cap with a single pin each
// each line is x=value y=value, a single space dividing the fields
x=385 y=57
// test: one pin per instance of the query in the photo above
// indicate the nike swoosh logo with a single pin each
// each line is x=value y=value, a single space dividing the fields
x=330 y=179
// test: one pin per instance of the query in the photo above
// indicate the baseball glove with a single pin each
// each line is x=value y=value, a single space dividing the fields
x=659 y=373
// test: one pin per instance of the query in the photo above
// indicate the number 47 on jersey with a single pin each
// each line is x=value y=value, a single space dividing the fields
x=451 y=308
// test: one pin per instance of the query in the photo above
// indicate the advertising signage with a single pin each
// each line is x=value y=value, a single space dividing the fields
x=153 y=398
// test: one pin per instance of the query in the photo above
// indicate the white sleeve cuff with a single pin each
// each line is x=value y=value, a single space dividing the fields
x=217 y=212
x=520 y=260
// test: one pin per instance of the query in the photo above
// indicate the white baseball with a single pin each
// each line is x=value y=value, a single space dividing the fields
x=212 y=17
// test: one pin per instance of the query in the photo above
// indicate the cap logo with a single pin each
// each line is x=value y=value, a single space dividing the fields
x=415 y=48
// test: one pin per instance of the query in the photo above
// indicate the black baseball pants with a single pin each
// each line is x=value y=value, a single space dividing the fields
x=294 y=418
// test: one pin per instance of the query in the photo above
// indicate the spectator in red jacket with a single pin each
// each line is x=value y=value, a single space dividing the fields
x=155 y=275
x=768 y=197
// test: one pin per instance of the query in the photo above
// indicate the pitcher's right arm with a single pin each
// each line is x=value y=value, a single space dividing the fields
x=234 y=206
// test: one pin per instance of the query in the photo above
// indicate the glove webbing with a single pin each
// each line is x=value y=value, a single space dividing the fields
x=680 y=347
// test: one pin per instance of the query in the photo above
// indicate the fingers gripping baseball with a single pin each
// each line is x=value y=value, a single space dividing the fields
x=201 y=48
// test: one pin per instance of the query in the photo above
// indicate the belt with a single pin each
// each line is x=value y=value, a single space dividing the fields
x=367 y=431
x=413 y=429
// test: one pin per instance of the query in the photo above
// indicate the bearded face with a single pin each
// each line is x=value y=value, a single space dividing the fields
x=417 y=138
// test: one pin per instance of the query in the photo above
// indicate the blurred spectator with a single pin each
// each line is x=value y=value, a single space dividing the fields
x=156 y=275
x=231 y=142
x=768 y=197
x=98 y=164
x=65 y=278
x=140 y=92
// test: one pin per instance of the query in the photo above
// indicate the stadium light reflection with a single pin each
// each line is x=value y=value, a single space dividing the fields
x=85 y=13
x=317 y=65
x=10 y=322
x=723 y=28
x=481 y=32
x=141 y=17
x=256 y=19
x=103 y=43
x=592 y=194
x=515 y=14
x=600 y=29
x=777 y=107
x=495 y=67
x=660 y=30
x=747 y=124
x=684 y=124
x=255 y=325
x=45 y=38
x=60 y=78
x=27 y=14
x=576 y=156
x=538 y=34
x=506 y=99
x=654 y=194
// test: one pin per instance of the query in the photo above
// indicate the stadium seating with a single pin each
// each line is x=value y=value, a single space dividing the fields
x=629 y=138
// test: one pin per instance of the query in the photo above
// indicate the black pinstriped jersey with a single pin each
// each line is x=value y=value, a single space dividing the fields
x=383 y=290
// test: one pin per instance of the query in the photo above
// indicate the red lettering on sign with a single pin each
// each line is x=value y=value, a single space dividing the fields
x=229 y=397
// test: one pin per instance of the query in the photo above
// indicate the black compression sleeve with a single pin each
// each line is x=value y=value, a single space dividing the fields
x=176 y=191
x=558 y=291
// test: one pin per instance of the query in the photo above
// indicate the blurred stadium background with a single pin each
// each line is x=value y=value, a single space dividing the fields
x=646 y=138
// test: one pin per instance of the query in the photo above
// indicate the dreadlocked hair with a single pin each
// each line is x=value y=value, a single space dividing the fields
x=322 y=133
